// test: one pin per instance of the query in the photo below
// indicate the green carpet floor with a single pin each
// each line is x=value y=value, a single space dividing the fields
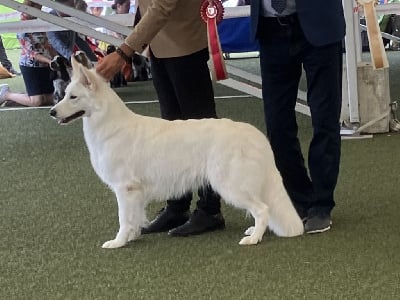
x=55 y=214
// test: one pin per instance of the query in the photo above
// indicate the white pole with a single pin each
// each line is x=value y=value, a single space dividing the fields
x=352 y=30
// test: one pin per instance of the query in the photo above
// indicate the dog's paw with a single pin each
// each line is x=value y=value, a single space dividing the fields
x=249 y=231
x=248 y=240
x=133 y=235
x=113 y=244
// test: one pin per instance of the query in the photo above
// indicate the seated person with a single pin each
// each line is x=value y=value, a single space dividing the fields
x=36 y=54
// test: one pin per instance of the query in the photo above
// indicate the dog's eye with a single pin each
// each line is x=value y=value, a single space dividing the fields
x=72 y=97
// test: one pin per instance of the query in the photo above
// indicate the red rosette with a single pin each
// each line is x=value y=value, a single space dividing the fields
x=212 y=12
x=212 y=9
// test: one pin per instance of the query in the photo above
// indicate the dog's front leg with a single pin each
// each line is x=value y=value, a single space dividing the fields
x=131 y=214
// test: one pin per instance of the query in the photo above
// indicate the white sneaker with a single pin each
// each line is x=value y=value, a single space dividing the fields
x=4 y=89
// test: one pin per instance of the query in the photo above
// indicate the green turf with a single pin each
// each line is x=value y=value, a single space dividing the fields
x=55 y=214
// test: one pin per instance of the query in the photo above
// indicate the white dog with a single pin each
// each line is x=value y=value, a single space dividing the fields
x=144 y=159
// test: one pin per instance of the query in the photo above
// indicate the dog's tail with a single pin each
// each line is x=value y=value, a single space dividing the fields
x=284 y=220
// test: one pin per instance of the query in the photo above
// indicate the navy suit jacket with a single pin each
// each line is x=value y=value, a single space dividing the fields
x=322 y=21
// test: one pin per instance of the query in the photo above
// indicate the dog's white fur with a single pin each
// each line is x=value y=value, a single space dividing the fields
x=144 y=159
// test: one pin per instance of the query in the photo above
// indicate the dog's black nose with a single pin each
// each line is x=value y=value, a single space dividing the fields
x=53 y=112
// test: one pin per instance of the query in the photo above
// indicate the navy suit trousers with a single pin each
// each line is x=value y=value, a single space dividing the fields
x=284 y=53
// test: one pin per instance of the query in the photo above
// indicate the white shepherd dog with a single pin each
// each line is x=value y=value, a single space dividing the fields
x=144 y=159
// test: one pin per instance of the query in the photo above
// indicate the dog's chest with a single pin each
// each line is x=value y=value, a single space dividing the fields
x=103 y=165
x=107 y=161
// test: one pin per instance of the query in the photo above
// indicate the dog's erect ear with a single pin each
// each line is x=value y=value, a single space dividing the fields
x=83 y=74
x=82 y=58
x=87 y=78
x=75 y=64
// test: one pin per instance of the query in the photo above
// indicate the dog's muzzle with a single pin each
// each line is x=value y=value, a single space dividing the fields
x=53 y=113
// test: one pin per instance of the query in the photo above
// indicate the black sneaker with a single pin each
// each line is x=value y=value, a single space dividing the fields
x=302 y=214
x=199 y=222
x=166 y=220
x=318 y=223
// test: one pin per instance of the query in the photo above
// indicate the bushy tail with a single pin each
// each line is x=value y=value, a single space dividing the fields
x=284 y=220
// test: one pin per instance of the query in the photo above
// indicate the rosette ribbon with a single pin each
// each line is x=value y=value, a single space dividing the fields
x=212 y=12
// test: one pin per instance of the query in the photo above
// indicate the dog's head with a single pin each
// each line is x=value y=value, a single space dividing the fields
x=59 y=89
x=81 y=95
x=61 y=67
x=61 y=76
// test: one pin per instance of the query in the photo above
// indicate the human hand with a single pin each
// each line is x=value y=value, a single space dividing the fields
x=127 y=71
x=110 y=65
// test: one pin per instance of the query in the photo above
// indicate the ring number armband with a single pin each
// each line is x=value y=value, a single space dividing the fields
x=124 y=56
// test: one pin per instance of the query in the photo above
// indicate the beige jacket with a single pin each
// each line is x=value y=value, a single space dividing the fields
x=173 y=28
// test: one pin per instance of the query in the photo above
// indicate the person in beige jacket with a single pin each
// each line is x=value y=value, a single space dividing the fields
x=177 y=39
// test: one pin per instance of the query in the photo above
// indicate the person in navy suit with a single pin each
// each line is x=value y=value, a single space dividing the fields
x=303 y=34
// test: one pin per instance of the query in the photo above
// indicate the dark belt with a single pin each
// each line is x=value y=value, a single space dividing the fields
x=281 y=21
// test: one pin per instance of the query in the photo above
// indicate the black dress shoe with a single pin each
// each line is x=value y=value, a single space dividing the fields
x=166 y=220
x=199 y=222
x=318 y=223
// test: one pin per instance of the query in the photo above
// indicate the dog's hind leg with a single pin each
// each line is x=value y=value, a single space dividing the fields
x=132 y=216
x=256 y=232
x=259 y=210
